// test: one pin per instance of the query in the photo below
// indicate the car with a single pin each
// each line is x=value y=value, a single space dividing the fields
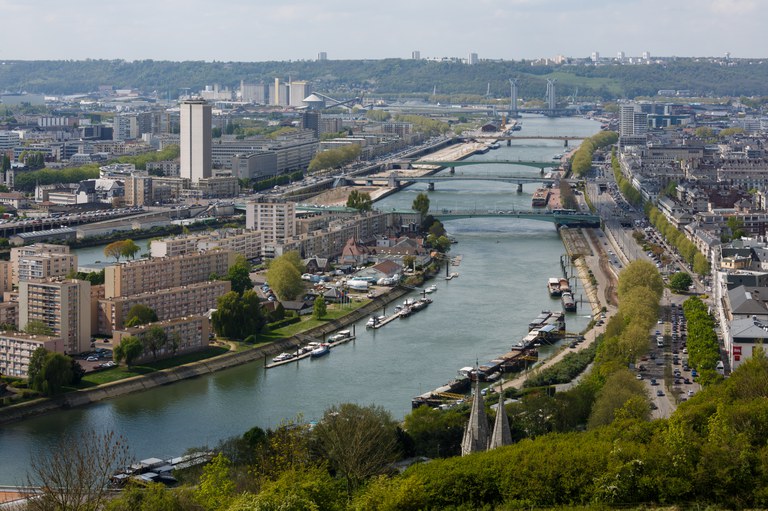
x=690 y=392
x=659 y=393
x=654 y=382
x=92 y=358
x=639 y=376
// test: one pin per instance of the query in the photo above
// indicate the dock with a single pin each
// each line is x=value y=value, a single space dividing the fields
x=302 y=356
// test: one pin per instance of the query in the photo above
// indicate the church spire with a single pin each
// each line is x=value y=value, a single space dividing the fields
x=501 y=433
x=476 y=433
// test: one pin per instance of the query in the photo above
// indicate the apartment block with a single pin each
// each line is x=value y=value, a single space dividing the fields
x=41 y=261
x=277 y=220
x=6 y=276
x=242 y=241
x=135 y=277
x=170 y=303
x=9 y=313
x=63 y=306
x=16 y=349
x=191 y=334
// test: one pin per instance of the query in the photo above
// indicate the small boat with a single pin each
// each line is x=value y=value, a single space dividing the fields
x=320 y=351
x=405 y=312
x=282 y=357
x=569 y=304
x=341 y=335
x=553 y=285
x=431 y=289
x=374 y=320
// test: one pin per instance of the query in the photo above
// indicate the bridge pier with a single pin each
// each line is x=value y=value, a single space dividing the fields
x=565 y=144
x=509 y=142
x=519 y=187
x=453 y=170
x=431 y=187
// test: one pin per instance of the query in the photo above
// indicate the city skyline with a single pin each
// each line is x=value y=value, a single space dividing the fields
x=242 y=30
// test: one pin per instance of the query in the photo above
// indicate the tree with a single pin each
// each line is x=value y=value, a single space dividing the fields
x=319 y=309
x=55 y=373
x=237 y=317
x=284 y=278
x=37 y=327
x=114 y=249
x=360 y=201
x=640 y=274
x=36 y=362
x=618 y=392
x=154 y=340
x=421 y=204
x=700 y=264
x=736 y=226
x=129 y=249
x=140 y=314
x=239 y=274
x=77 y=371
x=358 y=442
x=680 y=282
x=216 y=488
x=74 y=474
x=129 y=349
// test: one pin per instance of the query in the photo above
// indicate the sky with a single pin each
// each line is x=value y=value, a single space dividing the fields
x=261 y=30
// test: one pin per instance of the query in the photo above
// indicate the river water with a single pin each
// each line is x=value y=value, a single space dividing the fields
x=501 y=288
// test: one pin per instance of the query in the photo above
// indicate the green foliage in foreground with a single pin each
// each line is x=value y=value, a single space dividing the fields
x=572 y=365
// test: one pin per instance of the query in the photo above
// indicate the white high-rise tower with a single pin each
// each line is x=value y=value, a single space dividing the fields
x=195 y=140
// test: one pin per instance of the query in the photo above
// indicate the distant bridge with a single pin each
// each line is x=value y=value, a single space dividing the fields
x=462 y=163
x=395 y=180
x=558 y=217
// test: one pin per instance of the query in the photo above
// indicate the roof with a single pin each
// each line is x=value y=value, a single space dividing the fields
x=748 y=330
x=748 y=300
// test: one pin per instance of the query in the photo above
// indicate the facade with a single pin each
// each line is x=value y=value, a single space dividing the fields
x=191 y=333
x=148 y=275
x=195 y=142
x=138 y=190
x=6 y=276
x=16 y=349
x=256 y=165
x=176 y=302
x=298 y=91
x=41 y=261
x=63 y=306
x=277 y=220
x=241 y=241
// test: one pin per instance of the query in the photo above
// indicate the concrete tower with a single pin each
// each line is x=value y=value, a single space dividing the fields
x=195 y=140
x=551 y=97
x=476 y=434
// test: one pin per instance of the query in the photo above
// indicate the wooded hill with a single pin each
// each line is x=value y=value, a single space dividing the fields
x=394 y=77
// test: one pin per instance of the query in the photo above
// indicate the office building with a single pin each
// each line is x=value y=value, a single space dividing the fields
x=195 y=140
x=472 y=60
x=147 y=275
x=41 y=261
x=415 y=55
x=63 y=306
x=322 y=56
x=276 y=220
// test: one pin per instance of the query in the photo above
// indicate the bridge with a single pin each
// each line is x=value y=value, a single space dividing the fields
x=558 y=217
x=462 y=163
x=395 y=180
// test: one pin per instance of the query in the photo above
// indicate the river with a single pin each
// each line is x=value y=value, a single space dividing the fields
x=502 y=286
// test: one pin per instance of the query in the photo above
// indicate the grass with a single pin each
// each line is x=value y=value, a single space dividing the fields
x=121 y=372
x=308 y=322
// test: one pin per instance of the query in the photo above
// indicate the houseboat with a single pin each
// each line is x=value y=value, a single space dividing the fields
x=540 y=198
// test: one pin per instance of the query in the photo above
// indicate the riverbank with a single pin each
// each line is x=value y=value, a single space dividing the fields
x=111 y=390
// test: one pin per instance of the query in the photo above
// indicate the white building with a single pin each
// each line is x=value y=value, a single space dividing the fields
x=195 y=140
x=277 y=220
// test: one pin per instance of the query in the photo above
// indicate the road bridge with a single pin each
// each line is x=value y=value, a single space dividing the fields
x=558 y=217
x=463 y=163
x=395 y=180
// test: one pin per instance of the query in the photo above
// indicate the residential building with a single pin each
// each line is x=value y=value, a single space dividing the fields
x=63 y=306
x=245 y=242
x=186 y=334
x=6 y=277
x=138 y=190
x=277 y=220
x=169 y=303
x=16 y=350
x=41 y=261
x=134 y=277
x=195 y=142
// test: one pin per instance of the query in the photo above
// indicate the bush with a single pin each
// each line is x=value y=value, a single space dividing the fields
x=283 y=322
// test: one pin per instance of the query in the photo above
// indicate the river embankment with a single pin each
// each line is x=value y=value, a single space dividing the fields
x=194 y=369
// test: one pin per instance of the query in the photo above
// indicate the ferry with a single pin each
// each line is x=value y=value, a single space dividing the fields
x=569 y=304
x=540 y=198
x=553 y=286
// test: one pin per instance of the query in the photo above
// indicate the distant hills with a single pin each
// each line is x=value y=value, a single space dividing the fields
x=392 y=77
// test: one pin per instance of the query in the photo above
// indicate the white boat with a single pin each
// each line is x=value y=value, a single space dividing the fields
x=282 y=357
x=321 y=350
x=341 y=335
x=431 y=289
x=374 y=320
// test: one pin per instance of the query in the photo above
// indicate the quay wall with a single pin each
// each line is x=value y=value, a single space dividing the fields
x=195 y=369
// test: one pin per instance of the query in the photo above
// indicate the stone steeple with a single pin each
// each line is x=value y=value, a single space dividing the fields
x=476 y=433
x=501 y=433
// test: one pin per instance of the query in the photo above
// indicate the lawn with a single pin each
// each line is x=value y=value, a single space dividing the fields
x=308 y=322
x=121 y=372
